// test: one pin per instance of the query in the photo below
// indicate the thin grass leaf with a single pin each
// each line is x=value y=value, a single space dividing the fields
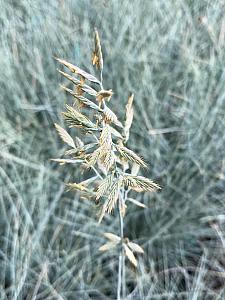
x=67 y=161
x=65 y=136
x=136 y=202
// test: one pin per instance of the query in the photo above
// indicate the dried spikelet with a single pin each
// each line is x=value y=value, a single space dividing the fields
x=69 y=77
x=83 y=100
x=112 y=237
x=79 y=86
x=130 y=255
x=104 y=152
x=71 y=92
x=81 y=150
x=129 y=155
x=97 y=59
x=94 y=157
x=78 y=71
x=79 y=92
x=104 y=94
x=76 y=119
x=85 y=88
x=77 y=186
x=108 y=246
x=135 y=247
x=110 y=203
x=105 y=139
x=110 y=117
x=65 y=136
x=104 y=186
x=107 y=158
x=140 y=183
x=113 y=196
x=129 y=117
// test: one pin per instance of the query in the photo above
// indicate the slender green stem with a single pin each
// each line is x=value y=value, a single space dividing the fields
x=119 y=277
x=121 y=287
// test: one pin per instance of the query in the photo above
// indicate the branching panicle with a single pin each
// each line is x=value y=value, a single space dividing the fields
x=104 y=152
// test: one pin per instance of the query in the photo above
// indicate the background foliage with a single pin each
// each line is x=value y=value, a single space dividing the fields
x=171 y=55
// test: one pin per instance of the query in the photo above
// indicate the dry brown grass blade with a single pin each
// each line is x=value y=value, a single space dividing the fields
x=65 y=136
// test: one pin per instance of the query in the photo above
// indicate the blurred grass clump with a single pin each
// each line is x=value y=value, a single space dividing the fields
x=171 y=54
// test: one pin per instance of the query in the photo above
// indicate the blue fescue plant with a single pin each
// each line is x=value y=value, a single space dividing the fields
x=103 y=150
